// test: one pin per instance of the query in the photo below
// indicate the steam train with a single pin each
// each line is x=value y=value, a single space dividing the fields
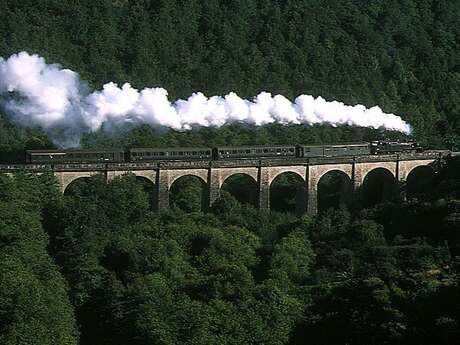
x=220 y=153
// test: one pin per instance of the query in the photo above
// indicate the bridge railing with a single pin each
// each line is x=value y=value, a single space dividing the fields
x=129 y=166
x=28 y=167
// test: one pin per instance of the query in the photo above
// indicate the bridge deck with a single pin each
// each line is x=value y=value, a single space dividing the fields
x=204 y=164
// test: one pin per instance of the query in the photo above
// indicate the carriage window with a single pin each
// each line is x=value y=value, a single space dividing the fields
x=208 y=152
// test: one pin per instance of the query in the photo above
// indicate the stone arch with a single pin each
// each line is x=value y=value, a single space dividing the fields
x=382 y=168
x=75 y=181
x=334 y=189
x=406 y=167
x=235 y=174
x=174 y=175
x=274 y=172
x=66 y=178
x=242 y=186
x=364 y=168
x=144 y=179
x=192 y=202
x=149 y=175
x=328 y=169
x=225 y=174
x=379 y=185
x=288 y=195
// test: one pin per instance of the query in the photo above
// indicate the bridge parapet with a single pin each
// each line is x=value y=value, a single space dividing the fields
x=132 y=166
x=192 y=164
x=80 y=167
x=425 y=155
x=28 y=167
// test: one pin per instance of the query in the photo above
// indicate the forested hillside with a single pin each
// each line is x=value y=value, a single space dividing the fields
x=99 y=265
x=403 y=55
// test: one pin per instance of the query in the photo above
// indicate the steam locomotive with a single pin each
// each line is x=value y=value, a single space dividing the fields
x=220 y=153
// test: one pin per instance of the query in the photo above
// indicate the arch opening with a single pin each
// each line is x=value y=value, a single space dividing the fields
x=288 y=193
x=335 y=190
x=188 y=193
x=85 y=186
x=379 y=186
x=150 y=189
x=242 y=187
x=420 y=182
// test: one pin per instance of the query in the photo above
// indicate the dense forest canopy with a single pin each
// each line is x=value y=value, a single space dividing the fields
x=99 y=265
x=401 y=55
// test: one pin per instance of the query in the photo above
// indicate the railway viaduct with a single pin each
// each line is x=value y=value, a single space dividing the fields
x=214 y=173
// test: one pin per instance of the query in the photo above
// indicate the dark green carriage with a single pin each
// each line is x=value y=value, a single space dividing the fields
x=333 y=150
x=74 y=156
x=254 y=152
x=180 y=153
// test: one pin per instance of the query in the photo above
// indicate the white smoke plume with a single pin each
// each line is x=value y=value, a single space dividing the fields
x=55 y=99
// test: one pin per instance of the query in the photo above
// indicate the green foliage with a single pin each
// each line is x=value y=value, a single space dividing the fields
x=188 y=193
x=172 y=278
x=34 y=305
x=402 y=56
x=292 y=258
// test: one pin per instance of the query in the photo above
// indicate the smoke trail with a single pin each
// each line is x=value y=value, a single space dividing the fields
x=55 y=99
